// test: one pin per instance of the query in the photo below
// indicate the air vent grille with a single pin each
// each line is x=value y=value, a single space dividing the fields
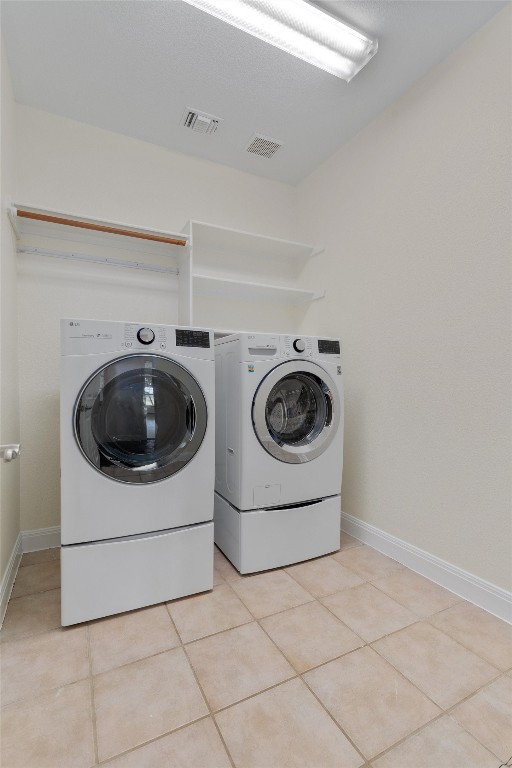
x=200 y=121
x=263 y=146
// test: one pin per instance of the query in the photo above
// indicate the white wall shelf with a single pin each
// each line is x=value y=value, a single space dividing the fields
x=216 y=238
x=207 y=285
x=234 y=265
x=226 y=276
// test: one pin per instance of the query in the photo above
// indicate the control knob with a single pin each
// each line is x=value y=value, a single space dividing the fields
x=299 y=345
x=145 y=335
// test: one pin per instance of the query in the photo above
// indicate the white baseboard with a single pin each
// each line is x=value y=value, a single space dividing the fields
x=40 y=538
x=488 y=596
x=9 y=577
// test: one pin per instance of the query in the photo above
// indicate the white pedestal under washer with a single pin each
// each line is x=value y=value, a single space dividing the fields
x=279 y=447
x=137 y=465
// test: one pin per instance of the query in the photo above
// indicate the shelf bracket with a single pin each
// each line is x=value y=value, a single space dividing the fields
x=11 y=215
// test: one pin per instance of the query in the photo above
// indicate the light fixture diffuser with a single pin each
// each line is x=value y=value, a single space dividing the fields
x=299 y=28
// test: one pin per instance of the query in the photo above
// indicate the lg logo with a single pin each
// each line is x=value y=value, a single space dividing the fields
x=74 y=324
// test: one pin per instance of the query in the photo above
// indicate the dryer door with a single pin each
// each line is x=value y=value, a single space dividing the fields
x=140 y=418
x=296 y=412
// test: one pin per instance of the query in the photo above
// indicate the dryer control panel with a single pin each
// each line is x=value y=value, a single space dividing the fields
x=91 y=337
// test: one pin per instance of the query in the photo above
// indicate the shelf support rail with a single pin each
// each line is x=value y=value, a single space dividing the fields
x=97 y=260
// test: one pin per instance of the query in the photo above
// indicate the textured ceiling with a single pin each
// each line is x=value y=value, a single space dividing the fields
x=133 y=67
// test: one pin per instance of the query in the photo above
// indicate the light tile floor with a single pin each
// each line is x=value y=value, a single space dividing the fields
x=346 y=661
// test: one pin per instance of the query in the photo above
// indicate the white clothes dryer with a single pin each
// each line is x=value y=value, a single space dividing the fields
x=137 y=465
x=279 y=448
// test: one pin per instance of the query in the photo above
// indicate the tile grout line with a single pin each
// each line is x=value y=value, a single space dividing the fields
x=450 y=710
x=299 y=677
x=210 y=710
x=93 y=704
x=153 y=740
x=428 y=619
x=201 y=689
x=392 y=597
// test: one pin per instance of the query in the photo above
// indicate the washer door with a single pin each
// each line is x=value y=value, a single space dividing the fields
x=140 y=418
x=296 y=412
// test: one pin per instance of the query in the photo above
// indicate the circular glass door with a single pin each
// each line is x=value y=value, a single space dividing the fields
x=296 y=412
x=140 y=418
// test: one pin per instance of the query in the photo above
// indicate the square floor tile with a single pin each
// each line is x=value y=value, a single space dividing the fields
x=488 y=717
x=32 y=614
x=442 y=744
x=441 y=667
x=285 y=726
x=203 y=615
x=323 y=576
x=223 y=567
x=130 y=636
x=347 y=541
x=309 y=635
x=33 y=665
x=37 y=578
x=236 y=664
x=420 y=595
x=481 y=632
x=371 y=701
x=367 y=562
x=52 y=731
x=195 y=746
x=271 y=592
x=144 y=700
x=369 y=612
x=41 y=556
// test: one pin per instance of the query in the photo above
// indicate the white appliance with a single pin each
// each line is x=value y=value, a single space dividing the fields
x=137 y=465
x=279 y=448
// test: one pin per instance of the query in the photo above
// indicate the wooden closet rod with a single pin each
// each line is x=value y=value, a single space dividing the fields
x=99 y=227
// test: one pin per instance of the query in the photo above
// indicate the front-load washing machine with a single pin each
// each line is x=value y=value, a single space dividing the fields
x=137 y=465
x=279 y=448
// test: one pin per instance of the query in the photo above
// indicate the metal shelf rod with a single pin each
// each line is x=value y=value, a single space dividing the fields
x=97 y=260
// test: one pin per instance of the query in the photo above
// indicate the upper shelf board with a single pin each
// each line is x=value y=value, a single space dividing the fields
x=29 y=220
x=217 y=238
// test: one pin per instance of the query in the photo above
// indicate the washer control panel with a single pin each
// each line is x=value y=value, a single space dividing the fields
x=298 y=346
x=188 y=338
x=146 y=335
x=328 y=347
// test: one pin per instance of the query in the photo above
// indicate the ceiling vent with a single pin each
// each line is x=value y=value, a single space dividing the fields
x=200 y=121
x=263 y=146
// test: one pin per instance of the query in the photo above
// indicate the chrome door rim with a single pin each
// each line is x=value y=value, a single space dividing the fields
x=288 y=453
x=200 y=405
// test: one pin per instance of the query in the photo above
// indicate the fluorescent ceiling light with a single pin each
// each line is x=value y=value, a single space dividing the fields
x=298 y=28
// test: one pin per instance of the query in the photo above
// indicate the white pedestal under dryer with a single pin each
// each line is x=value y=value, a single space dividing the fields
x=137 y=465
x=279 y=448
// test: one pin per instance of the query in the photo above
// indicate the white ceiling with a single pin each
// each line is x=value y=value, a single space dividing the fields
x=133 y=67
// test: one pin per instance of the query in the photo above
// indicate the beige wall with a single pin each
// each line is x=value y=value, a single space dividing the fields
x=69 y=166
x=9 y=404
x=415 y=213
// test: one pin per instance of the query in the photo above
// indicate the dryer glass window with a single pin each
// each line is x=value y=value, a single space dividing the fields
x=140 y=419
x=296 y=410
